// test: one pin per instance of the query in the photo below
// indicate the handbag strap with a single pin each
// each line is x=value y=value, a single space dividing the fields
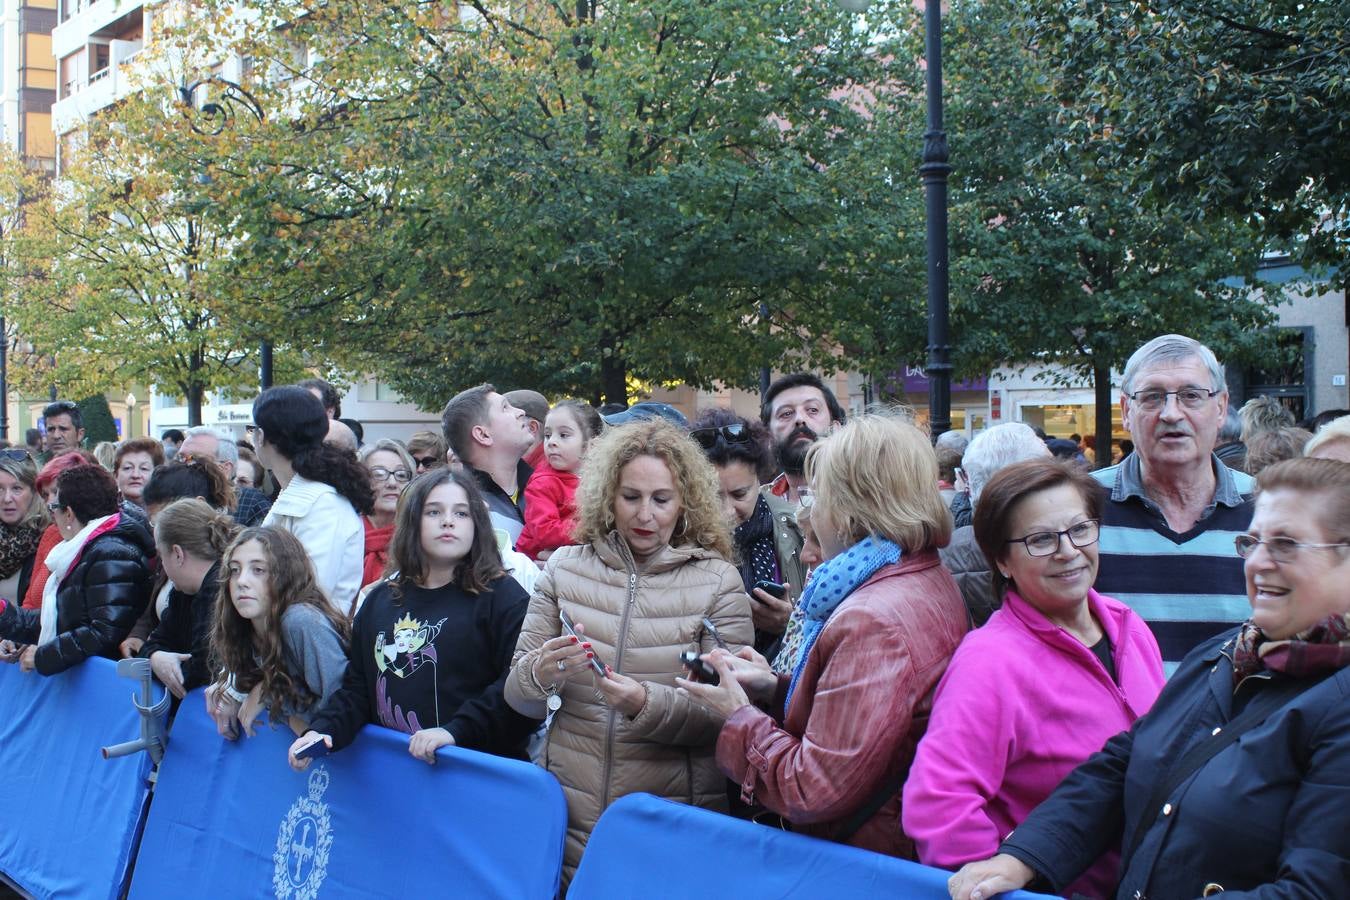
x=889 y=788
x=1222 y=737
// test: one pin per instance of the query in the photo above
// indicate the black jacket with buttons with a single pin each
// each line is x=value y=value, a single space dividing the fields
x=1268 y=816
x=96 y=604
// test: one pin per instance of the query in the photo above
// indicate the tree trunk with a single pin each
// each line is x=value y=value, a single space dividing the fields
x=1101 y=386
x=614 y=379
x=194 y=404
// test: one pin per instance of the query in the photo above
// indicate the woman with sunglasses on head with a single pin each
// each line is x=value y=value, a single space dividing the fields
x=1056 y=671
x=1238 y=778
x=23 y=518
x=324 y=490
x=766 y=536
x=391 y=468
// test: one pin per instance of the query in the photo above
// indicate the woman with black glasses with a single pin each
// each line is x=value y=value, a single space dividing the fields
x=1237 y=780
x=1053 y=674
x=391 y=468
x=766 y=537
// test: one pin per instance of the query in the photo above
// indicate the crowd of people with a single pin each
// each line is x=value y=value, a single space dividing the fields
x=983 y=655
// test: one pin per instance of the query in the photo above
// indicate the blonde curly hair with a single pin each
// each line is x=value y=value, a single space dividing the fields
x=702 y=522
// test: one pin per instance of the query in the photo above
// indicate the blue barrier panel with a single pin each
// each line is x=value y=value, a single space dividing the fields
x=68 y=817
x=233 y=819
x=653 y=848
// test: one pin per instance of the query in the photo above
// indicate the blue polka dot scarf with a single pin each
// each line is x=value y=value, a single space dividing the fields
x=830 y=584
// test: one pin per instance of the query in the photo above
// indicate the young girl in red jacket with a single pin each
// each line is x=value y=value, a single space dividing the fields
x=550 y=495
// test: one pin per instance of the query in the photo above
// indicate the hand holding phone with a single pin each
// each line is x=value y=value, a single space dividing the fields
x=772 y=588
x=316 y=749
x=570 y=629
x=699 y=669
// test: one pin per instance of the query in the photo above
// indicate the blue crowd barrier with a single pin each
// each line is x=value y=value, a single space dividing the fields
x=707 y=854
x=231 y=819
x=70 y=817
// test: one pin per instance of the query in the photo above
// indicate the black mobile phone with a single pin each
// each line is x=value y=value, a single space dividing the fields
x=772 y=588
x=699 y=669
x=318 y=748
x=569 y=628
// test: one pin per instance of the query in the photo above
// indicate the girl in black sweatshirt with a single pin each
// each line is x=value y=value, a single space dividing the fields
x=432 y=643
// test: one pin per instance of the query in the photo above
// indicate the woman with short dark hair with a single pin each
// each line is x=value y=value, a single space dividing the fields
x=1056 y=671
x=1236 y=780
x=99 y=578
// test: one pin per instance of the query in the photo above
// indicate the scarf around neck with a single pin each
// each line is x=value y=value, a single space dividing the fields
x=60 y=561
x=754 y=541
x=1321 y=649
x=830 y=585
x=17 y=543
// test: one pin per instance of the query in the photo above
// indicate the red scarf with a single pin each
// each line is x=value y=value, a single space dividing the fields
x=1323 y=648
x=377 y=551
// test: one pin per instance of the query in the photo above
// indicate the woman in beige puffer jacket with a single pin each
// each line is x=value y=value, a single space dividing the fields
x=652 y=567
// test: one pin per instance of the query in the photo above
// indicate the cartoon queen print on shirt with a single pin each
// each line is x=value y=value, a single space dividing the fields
x=410 y=657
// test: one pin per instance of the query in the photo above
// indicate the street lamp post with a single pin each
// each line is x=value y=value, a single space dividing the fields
x=933 y=172
x=212 y=118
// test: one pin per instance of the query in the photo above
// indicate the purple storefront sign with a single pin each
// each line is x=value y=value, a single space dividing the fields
x=913 y=380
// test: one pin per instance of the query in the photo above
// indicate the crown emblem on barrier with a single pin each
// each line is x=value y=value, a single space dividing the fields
x=304 y=839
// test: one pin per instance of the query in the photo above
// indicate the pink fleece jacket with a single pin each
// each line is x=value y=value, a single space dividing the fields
x=1022 y=703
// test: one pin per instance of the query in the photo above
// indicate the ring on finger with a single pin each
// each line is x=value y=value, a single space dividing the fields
x=562 y=666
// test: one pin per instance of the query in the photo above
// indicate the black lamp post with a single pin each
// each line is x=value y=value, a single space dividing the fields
x=210 y=119
x=933 y=172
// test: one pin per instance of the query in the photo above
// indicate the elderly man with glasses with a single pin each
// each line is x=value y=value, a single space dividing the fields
x=1174 y=508
x=204 y=442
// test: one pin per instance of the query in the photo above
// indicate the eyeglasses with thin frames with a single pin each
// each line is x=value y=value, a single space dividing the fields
x=1045 y=543
x=1152 y=400
x=1281 y=549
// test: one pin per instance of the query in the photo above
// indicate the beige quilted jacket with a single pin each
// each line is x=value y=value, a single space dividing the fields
x=638 y=622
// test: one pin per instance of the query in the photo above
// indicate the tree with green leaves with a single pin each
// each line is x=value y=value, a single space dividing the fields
x=570 y=196
x=1228 y=107
x=1057 y=258
x=117 y=273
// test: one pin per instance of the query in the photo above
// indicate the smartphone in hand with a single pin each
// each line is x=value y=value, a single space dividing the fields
x=772 y=588
x=570 y=629
x=699 y=669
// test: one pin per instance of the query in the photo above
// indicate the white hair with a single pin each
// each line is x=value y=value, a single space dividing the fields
x=227 y=450
x=1172 y=348
x=997 y=447
x=1335 y=430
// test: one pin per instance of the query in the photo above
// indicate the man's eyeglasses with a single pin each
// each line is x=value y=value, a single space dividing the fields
x=54 y=507
x=1045 y=543
x=252 y=430
x=15 y=453
x=379 y=473
x=1281 y=549
x=426 y=462
x=1154 y=400
x=732 y=434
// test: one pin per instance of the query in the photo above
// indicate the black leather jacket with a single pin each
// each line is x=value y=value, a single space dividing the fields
x=96 y=604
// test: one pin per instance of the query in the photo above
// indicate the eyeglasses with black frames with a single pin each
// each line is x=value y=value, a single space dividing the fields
x=1045 y=543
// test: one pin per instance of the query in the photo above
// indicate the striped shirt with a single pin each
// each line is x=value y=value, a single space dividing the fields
x=1187 y=587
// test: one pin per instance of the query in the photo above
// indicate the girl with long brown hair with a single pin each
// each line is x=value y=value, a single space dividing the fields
x=276 y=640
x=432 y=643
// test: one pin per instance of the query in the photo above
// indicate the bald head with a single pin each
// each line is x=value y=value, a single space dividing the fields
x=339 y=435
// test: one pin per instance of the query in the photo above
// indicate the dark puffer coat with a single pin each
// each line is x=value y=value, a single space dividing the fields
x=97 y=603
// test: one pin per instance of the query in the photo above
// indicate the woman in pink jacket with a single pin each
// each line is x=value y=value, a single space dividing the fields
x=1054 y=673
